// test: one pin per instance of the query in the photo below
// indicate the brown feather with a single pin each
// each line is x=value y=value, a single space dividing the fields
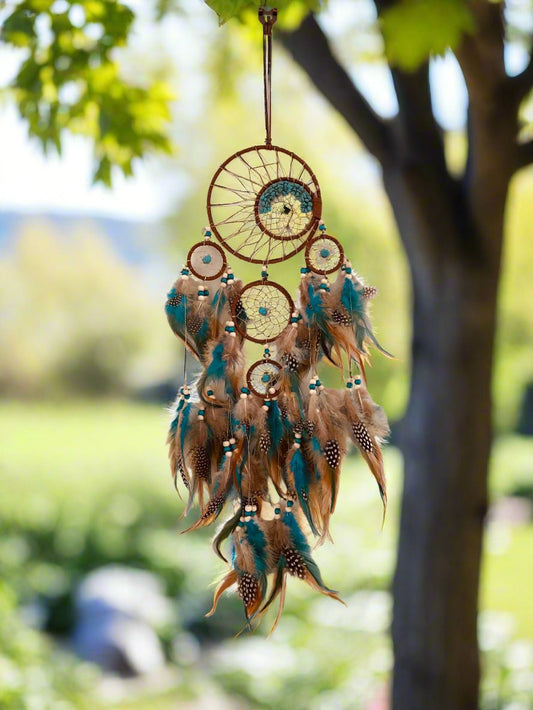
x=229 y=580
x=363 y=424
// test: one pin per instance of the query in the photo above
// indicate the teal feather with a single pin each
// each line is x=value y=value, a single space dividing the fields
x=352 y=299
x=185 y=423
x=176 y=313
x=297 y=535
x=219 y=303
x=314 y=310
x=300 y=544
x=258 y=543
x=300 y=473
x=317 y=317
x=174 y=423
x=217 y=366
x=275 y=428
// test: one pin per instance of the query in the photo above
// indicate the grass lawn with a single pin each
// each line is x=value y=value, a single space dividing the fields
x=87 y=483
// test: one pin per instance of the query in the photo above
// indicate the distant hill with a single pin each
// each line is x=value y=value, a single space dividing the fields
x=134 y=241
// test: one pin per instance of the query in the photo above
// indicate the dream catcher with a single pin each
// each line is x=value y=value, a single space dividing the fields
x=263 y=442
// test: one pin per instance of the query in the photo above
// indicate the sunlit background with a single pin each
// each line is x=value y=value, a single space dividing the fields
x=102 y=602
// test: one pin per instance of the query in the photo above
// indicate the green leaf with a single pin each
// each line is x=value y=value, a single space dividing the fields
x=68 y=81
x=414 y=30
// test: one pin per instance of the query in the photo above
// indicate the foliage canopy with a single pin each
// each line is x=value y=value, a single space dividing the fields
x=69 y=76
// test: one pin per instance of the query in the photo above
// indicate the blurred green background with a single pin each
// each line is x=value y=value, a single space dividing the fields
x=88 y=364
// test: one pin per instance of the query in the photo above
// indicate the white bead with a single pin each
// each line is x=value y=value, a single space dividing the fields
x=272 y=390
x=232 y=440
x=296 y=445
x=244 y=395
x=247 y=508
x=265 y=407
x=225 y=443
x=229 y=454
x=233 y=335
x=247 y=519
x=294 y=325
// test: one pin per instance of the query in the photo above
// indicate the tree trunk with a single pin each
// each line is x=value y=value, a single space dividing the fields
x=452 y=231
x=445 y=439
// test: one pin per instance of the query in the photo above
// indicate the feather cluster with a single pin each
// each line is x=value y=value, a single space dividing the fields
x=272 y=463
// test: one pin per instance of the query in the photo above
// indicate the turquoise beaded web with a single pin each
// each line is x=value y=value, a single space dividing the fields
x=279 y=190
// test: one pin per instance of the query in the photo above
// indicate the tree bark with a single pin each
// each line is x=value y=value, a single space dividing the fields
x=445 y=440
x=452 y=231
x=446 y=444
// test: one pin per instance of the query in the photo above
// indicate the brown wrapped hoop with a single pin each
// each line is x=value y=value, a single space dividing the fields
x=216 y=258
x=319 y=261
x=262 y=311
x=240 y=194
x=260 y=387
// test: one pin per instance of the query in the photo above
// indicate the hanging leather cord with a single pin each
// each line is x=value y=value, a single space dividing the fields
x=267 y=18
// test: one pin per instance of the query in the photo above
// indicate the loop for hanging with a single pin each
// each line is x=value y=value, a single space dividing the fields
x=267 y=17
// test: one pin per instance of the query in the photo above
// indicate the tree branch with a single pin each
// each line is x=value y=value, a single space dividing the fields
x=481 y=55
x=492 y=127
x=416 y=132
x=310 y=48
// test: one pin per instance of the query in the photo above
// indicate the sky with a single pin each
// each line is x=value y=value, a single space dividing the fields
x=32 y=182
